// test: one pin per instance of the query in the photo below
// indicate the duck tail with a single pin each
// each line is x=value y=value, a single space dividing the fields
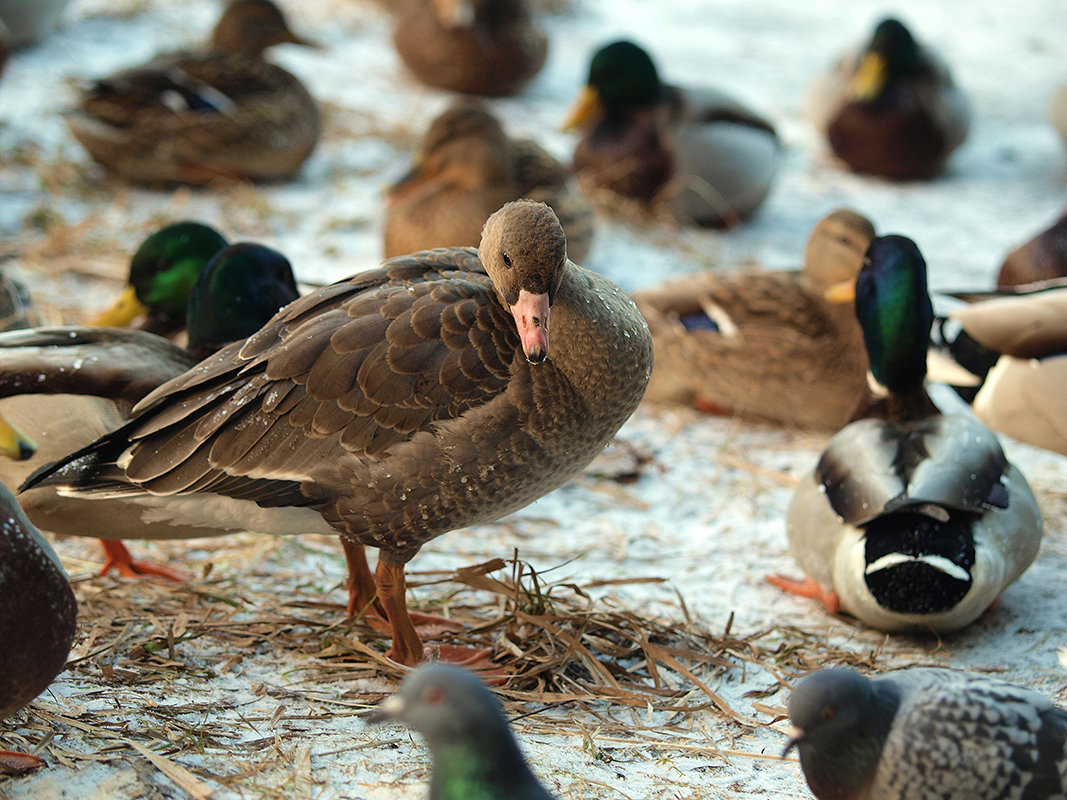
x=92 y=469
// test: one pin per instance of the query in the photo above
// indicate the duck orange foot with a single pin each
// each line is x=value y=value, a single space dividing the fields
x=807 y=587
x=118 y=557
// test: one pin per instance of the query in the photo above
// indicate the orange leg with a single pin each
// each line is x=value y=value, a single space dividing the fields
x=118 y=557
x=392 y=586
x=407 y=645
x=807 y=587
x=12 y=763
x=362 y=591
x=363 y=597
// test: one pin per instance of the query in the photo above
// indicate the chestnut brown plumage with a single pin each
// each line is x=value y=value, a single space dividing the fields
x=396 y=405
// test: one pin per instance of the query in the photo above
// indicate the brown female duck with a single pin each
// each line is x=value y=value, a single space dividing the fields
x=766 y=345
x=38 y=613
x=694 y=155
x=193 y=116
x=394 y=406
x=486 y=47
x=892 y=108
x=466 y=168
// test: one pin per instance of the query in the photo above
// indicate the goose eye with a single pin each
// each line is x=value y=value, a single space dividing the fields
x=507 y=260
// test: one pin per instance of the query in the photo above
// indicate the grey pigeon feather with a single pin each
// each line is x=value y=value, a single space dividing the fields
x=926 y=734
x=473 y=752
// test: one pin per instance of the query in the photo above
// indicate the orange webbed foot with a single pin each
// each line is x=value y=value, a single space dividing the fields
x=807 y=587
x=118 y=557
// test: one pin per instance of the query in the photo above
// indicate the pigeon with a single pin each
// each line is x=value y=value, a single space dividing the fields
x=927 y=734
x=473 y=753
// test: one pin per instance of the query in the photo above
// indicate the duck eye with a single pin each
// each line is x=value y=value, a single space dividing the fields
x=507 y=260
x=827 y=713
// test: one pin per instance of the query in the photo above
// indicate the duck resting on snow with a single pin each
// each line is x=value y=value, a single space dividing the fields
x=917 y=521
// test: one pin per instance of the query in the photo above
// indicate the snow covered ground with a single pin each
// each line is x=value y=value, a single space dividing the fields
x=254 y=705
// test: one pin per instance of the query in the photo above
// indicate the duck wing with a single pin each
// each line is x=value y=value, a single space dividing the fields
x=341 y=375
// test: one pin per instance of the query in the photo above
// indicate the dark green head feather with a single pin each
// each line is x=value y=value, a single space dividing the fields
x=168 y=263
x=238 y=291
x=895 y=313
x=895 y=43
x=624 y=76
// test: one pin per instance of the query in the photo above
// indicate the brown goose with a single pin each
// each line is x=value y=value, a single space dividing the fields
x=37 y=618
x=394 y=406
x=466 y=168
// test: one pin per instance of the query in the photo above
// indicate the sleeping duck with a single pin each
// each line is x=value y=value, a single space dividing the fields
x=465 y=169
x=917 y=521
x=766 y=345
x=891 y=107
x=694 y=155
x=485 y=47
x=194 y=116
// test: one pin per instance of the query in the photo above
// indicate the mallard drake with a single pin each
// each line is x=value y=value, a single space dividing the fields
x=27 y=21
x=1017 y=344
x=766 y=345
x=392 y=407
x=486 y=47
x=38 y=615
x=466 y=168
x=163 y=271
x=696 y=155
x=1042 y=258
x=891 y=107
x=70 y=385
x=193 y=116
x=918 y=521
x=1057 y=112
x=473 y=751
